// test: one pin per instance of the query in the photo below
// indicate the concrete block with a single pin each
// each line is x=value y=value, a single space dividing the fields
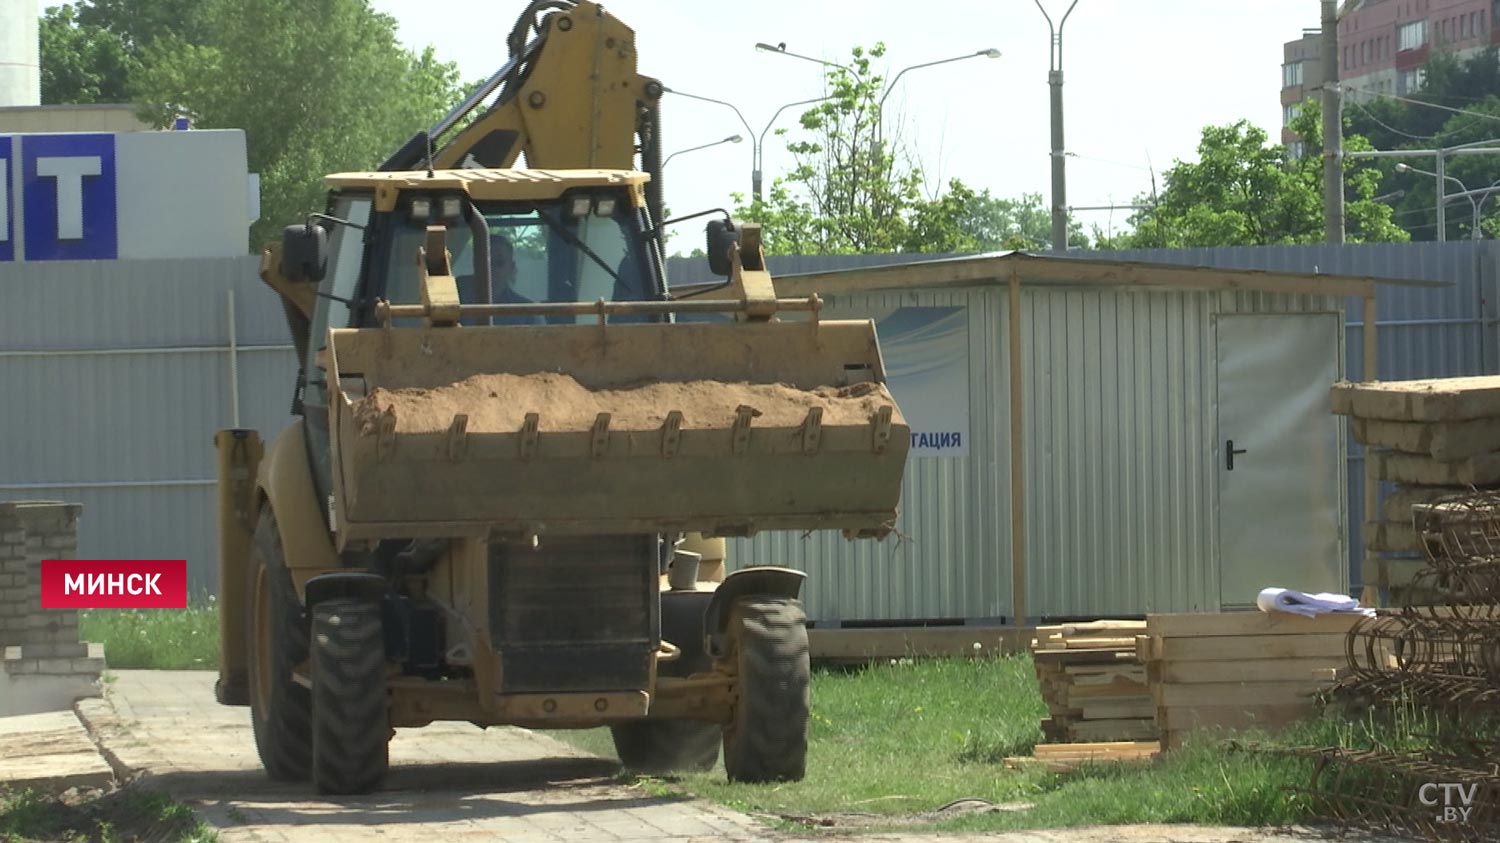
x=14 y=595
x=53 y=666
x=89 y=665
x=1439 y=440
x=1441 y=400
x=1482 y=470
x=1391 y=537
x=1398 y=504
x=67 y=542
x=55 y=650
x=10 y=537
x=21 y=666
x=31 y=693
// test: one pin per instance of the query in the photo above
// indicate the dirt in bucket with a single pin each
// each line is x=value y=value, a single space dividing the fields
x=499 y=403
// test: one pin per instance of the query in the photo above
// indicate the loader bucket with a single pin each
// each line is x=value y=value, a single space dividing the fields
x=725 y=429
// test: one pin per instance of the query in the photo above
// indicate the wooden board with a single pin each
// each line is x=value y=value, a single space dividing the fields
x=1246 y=694
x=1481 y=470
x=1439 y=440
x=1095 y=710
x=1445 y=399
x=1246 y=623
x=1127 y=729
x=1258 y=670
x=1174 y=718
x=1077 y=657
x=1244 y=647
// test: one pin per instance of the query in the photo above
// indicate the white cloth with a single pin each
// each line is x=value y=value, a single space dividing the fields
x=1308 y=605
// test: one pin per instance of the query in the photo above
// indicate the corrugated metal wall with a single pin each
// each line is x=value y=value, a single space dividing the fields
x=115 y=377
x=953 y=558
x=1422 y=332
x=1120 y=396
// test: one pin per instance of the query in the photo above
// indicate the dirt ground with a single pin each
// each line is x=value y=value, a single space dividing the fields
x=453 y=782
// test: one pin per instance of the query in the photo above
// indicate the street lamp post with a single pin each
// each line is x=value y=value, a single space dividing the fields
x=1442 y=199
x=730 y=139
x=780 y=49
x=1059 y=160
x=756 y=139
x=988 y=52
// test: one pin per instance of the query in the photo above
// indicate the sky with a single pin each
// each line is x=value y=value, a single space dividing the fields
x=1142 y=78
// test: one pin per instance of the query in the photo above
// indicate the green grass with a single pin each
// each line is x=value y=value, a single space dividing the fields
x=156 y=639
x=131 y=815
x=899 y=740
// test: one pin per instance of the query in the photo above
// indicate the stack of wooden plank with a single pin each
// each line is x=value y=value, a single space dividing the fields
x=1432 y=438
x=1094 y=687
x=1238 y=670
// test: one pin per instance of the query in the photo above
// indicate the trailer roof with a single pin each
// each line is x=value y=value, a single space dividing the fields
x=1029 y=268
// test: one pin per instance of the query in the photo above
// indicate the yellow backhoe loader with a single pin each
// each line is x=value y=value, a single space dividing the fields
x=515 y=452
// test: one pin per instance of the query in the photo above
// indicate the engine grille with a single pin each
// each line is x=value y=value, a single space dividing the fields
x=576 y=614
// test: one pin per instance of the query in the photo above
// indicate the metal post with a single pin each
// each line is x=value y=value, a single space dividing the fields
x=1059 y=150
x=1442 y=199
x=234 y=366
x=1333 y=129
x=1059 y=166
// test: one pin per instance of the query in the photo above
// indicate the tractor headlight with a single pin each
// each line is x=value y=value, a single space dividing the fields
x=580 y=205
x=453 y=207
x=421 y=208
x=605 y=206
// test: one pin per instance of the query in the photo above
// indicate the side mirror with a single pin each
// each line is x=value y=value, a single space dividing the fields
x=304 y=253
x=721 y=235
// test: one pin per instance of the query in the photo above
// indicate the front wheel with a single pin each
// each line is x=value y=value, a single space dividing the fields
x=766 y=739
x=351 y=705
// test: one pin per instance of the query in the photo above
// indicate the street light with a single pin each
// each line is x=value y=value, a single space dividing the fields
x=1059 y=159
x=730 y=139
x=988 y=52
x=1442 y=200
x=780 y=49
x=757 y=140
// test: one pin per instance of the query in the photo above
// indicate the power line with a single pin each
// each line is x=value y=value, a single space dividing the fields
x=1382 y=124
x=1427 y=104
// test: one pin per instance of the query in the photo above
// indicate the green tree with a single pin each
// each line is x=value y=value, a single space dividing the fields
x=1245 y=191
x=856 y=187
x=1427 y=119
x=318 y=88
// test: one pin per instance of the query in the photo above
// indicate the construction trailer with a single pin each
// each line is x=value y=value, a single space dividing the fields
x=1171 y=425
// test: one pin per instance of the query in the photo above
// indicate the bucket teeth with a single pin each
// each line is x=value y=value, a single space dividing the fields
x=880 y=425
x=385 y=434
x=529 y=435
x=812 y=430
x=671 y=433
x=742 y=416
x=599 y=441
x=458 y=437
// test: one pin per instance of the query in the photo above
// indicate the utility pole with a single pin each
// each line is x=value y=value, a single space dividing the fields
x=1333 y=129
x=1059 y=150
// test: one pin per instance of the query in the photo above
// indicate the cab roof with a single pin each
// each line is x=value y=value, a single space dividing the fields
x=489 y=184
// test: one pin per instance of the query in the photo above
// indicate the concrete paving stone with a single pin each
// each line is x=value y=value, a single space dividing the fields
x=50 y=752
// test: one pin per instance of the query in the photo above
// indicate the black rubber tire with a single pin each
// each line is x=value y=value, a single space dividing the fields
x=766 y=739
x=654 y=747
x=351 y=704
x=281 y=714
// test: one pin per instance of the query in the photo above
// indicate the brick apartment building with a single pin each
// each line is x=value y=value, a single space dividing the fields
x=1383 y=45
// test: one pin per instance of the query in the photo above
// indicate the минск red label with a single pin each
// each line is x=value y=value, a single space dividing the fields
x=114 y=584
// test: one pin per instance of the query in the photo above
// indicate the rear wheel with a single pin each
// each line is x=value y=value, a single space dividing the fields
x=351 y=707
x=280 y=709
x=766 y=739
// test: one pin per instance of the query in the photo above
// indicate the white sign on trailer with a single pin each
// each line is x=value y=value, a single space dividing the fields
x=108 y=196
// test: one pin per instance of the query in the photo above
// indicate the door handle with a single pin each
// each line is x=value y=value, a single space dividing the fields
x=1229 y=452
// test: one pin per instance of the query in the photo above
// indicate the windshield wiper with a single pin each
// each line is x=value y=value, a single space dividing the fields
x=574 y=241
